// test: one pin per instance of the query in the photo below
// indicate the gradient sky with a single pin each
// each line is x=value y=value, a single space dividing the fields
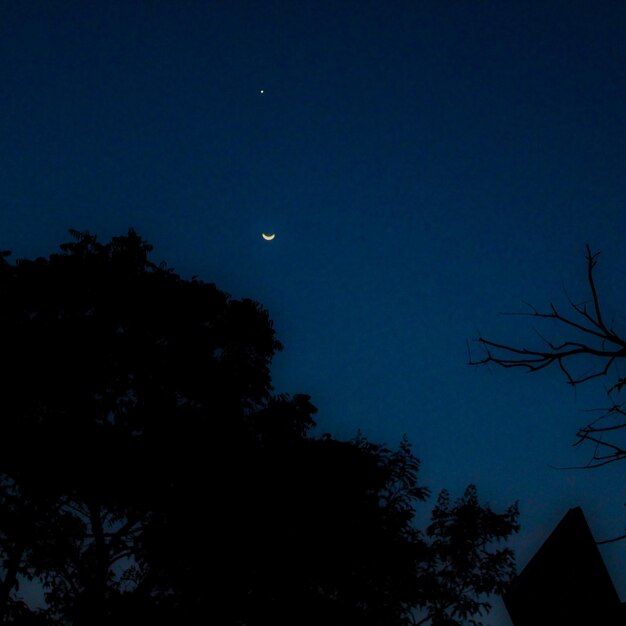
x=425 y=165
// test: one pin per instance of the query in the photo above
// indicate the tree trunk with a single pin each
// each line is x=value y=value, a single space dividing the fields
x=96 y=586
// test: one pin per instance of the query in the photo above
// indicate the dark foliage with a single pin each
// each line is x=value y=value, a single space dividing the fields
x=148 y=473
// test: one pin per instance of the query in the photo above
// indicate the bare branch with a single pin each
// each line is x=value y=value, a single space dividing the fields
x=561 y=318
x=584 y=379
x=555 y=315
x=618 y=385
x=589 y=337
x=534 y=360
x=591 y=263
x=601 y=429
x=599 y=543
x=538 y=359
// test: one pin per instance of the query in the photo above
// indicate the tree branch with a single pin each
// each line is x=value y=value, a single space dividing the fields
x=535 y=360
x=599 y=543
x=592 y=338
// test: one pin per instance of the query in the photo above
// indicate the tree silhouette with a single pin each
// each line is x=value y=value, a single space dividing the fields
x=103 y=353
x=591 y=342
x=148 y=472
x=462 y=567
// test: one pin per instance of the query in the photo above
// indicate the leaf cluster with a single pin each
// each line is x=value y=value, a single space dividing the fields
x=149 y=473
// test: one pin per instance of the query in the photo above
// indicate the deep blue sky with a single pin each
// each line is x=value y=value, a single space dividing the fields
x=425 y=165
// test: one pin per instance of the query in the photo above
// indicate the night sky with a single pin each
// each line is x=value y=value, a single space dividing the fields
x=425 y=166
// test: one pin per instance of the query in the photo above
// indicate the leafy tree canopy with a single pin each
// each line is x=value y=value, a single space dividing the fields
x=148 y=471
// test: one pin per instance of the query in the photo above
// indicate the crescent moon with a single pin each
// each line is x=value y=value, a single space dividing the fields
x=269 y=237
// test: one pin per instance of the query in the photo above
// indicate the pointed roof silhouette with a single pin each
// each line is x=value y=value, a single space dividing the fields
x=566 y=582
